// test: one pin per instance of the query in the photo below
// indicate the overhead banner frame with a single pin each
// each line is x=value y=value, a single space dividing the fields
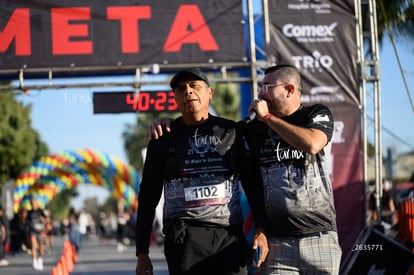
x=109 y=35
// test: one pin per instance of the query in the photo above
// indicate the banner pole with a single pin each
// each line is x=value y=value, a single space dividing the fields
x=252 y=44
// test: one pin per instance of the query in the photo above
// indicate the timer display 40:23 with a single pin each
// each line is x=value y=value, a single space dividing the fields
x=131 y=102
x=151 y=101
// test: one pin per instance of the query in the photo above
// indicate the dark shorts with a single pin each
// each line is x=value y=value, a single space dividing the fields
x=202 y=250
x=40 y=237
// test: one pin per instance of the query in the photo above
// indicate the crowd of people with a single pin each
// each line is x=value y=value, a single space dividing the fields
x=28 y=231
x=32 y=231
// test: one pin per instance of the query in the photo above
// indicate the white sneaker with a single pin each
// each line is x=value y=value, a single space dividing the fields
x=4 y=262
x=35 y=264
x=119 y=248
x=40 y=263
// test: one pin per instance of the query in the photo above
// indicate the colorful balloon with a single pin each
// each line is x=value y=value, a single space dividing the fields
x=52 y=174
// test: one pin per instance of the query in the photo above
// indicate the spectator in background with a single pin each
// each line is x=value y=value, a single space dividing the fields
x=104 y=226
x=49 y=230
x=17 y=232
x=83 y=222
x=389 y=213
x=4 y=236
x=132 y=225
x=36 y=224
x=75 y=236
x=122 y=228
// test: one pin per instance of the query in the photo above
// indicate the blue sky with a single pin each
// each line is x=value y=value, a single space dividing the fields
x=397 y=114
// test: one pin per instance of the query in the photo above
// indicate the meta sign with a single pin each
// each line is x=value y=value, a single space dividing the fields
x=71 y=34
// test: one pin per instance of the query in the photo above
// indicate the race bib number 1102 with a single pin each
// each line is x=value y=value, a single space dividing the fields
x=205 y=195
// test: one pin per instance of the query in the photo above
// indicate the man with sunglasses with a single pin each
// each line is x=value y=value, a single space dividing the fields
x=290 y=146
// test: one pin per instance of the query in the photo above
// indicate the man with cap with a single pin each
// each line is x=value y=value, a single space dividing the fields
x=199 y=164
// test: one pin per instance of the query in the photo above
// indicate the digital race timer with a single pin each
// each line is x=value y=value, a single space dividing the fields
x=126 y=102
x=152 y=101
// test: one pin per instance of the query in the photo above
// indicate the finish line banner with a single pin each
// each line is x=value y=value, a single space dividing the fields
x=47 y=34
x=319 y=38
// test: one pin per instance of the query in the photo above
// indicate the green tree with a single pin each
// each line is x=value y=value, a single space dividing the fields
x=134 y=137
x=59 y=205
x=399 y=14
x=20 y=144
x=226 y=100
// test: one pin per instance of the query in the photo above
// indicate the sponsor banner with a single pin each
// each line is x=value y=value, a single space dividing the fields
x=319 y=38
x=72 y=34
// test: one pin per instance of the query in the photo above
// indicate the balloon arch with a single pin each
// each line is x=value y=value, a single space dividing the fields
x=52 y=174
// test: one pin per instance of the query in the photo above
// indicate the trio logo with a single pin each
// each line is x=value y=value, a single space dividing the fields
x=314 y=62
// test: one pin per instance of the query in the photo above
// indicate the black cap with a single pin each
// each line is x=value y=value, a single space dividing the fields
x=194 y=74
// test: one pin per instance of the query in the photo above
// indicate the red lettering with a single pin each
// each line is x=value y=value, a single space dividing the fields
x=63 y=31
x=129 y=16
x=17 y=28
x=189 y=27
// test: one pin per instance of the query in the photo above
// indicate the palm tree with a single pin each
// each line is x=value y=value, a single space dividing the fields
x=396 y=16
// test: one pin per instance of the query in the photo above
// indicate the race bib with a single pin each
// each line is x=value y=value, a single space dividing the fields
x=39 y=227
x=205 y=195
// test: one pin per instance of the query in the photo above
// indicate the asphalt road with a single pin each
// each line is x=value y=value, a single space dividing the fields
x=94 y=258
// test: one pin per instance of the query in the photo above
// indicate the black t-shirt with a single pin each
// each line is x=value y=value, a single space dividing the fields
x=199 y=169
x=297 y=186
x=35 y=221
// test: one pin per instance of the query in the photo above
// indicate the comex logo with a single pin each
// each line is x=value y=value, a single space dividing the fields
x=310 y=33
x=313 y=62
x=291 y=30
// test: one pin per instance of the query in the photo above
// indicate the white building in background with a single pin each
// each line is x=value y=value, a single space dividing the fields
x=405 y=166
